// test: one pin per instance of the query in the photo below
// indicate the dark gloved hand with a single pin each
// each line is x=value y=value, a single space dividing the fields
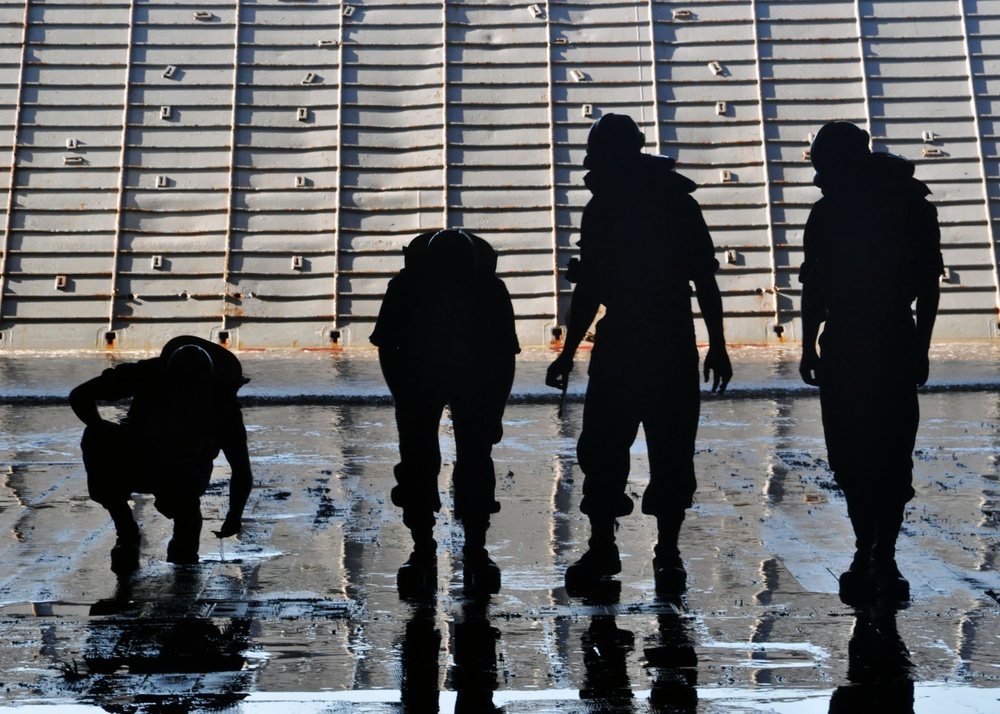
x=230 y=527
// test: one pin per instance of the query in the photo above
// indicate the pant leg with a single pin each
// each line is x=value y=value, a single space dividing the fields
x=477 y=418
x=870 y=435
x=109 y=459
x=418 y=418
x=670 y=420
x=178 y=495
x=610 y=424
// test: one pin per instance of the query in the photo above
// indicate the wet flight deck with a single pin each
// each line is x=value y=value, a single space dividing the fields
x=301 y=613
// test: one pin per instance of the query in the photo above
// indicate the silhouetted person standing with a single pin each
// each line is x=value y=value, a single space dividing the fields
x=445 y=336
x=872 y=248
x=643 y=242
x=183 y=412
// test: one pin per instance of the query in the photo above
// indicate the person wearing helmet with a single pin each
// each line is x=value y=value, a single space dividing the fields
x=643 y=241
x=445 y=337
x=872 y=248
x=183 y=411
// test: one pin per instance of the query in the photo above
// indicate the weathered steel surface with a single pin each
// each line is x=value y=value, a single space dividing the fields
x=252 y=168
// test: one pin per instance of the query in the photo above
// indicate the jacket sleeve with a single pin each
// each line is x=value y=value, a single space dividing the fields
x=701 y=250
x=389 y=326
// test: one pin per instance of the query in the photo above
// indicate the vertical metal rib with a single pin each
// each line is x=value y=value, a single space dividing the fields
x=657 y=135
x=15 y=140
x=231 y=189
x=339 y=180
x=980 y=154
x=122 y=169
x=444 y=116
x=865 y=94
x=553 y=213
x=766 y=166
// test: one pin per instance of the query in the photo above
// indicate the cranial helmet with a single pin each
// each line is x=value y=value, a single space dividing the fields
x=190 y=364
x=451 y=252
x=615 y=134
x=839 y=146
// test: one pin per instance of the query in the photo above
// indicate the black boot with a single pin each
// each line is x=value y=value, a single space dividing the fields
x=183 y=546
x=856 y=582
x=601 y=560
x=668 y=568
x=417 y=577
x=891 y=586
x=125 y=554
x=480 y=575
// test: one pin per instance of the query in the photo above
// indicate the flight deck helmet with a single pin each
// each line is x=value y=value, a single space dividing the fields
x=839 y=148
x=614 y=135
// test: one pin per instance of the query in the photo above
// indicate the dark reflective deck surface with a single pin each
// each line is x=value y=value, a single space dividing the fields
x=301 y=613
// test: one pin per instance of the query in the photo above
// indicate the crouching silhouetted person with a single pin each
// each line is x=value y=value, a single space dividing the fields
x=445 y=336
x=643 y=241
x=872 y=248
x=183 y=411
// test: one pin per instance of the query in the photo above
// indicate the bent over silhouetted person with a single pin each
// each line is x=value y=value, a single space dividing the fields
x=183 y=411
x=445 y=336
x=872 y=248
x=643 y=241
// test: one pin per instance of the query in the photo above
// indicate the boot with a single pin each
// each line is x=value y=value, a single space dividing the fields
x=668 y=569
x=855 y=583
x=125 y=554
x=890 y=585
x=417 y=577
x=601 y=560
x=183 y=546
x=480 y=575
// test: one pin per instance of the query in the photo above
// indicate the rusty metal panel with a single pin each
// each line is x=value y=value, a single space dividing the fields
x=279 y=167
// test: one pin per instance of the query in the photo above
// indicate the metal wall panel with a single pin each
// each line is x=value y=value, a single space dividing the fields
x=250 y=170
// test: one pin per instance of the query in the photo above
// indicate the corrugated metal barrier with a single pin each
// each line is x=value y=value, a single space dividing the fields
x=249 y=171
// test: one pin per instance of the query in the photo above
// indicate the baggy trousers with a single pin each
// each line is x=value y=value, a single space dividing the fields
x=121 y=461
x=476 y=413
x=666 y=403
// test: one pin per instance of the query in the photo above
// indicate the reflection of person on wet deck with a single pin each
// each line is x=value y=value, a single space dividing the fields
x=445 y=336
x=643 y=242
x=872 y=248
x=183 y=412
x=879 y=670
